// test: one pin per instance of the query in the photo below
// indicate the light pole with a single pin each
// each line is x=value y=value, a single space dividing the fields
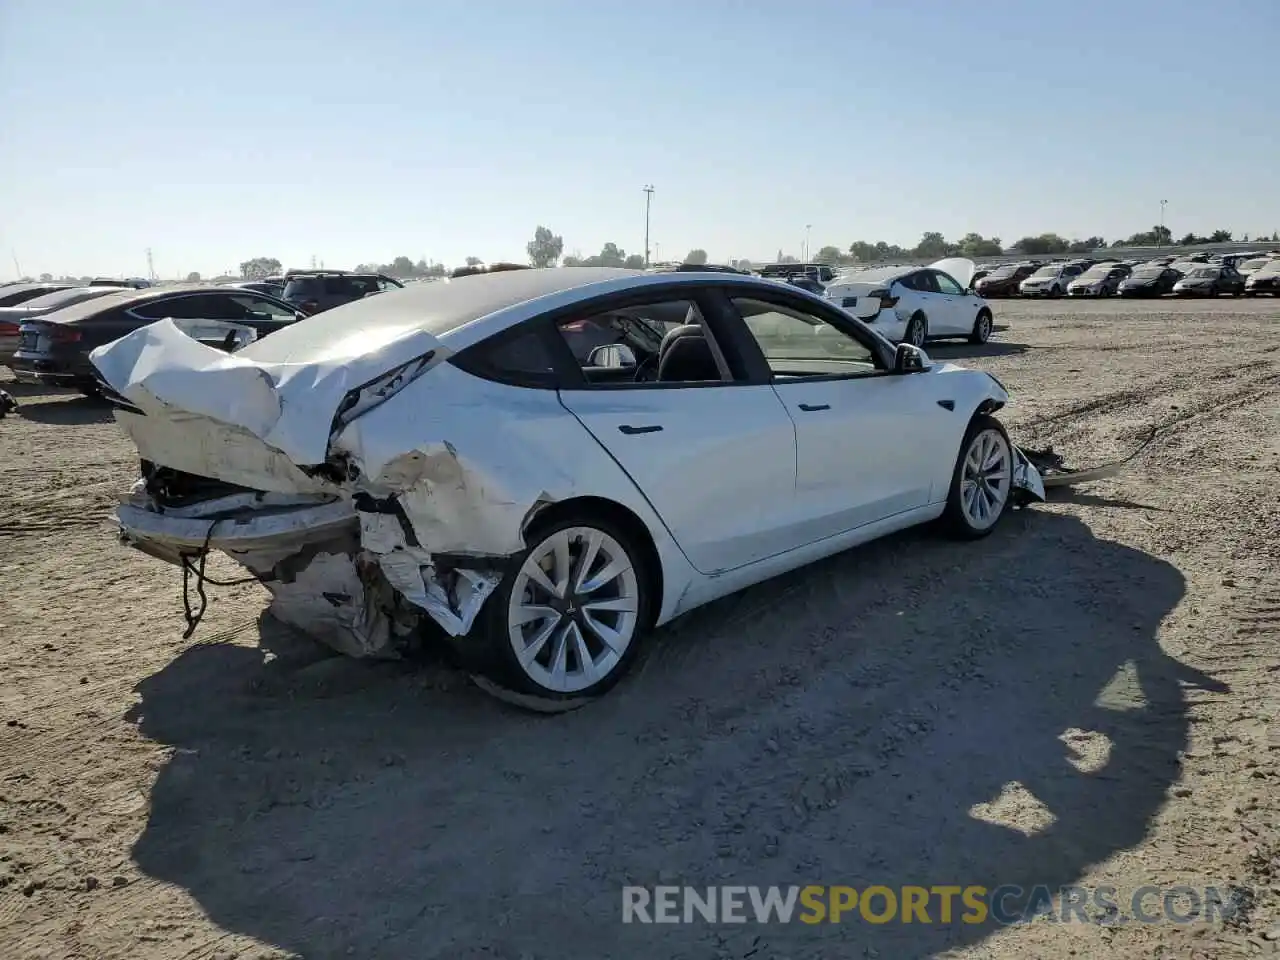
x=807 y=228
x=648 y=199
x=1162 y=203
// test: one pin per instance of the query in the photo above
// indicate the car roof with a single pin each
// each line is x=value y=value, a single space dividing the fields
x=463 y=311
x=127 y=296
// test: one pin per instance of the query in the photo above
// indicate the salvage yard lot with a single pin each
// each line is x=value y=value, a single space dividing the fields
x=1088 y=697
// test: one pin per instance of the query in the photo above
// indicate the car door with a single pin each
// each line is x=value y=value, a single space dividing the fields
x=867 y=440
x=714 y=455
x=954 y=311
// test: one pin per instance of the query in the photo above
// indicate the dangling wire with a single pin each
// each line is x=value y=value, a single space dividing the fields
x=194 y=616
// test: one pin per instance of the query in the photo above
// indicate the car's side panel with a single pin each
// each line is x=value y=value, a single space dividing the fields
x=718 y=464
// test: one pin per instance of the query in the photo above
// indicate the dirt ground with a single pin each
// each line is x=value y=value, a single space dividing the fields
x=1088 y=697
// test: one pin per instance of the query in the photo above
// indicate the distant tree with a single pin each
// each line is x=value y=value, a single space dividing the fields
x=787 y=258
x=828 y=254
x=862 y=252
x=545 y=248
x=46 y=278
x=473 y=261
x=697 y=256
x=1046 y=243
x=1275 y=236
x=976 y=245
x=634 y=262
x=933 y=244
x=610 y=255
x=1220 y=236
x=1085 y=246
x=259 y=267
x=1190 y=240
x=193 y=277
x=572 y=261
x=1245 y=238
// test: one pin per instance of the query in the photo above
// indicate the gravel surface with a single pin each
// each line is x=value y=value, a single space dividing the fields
x=1087 y=697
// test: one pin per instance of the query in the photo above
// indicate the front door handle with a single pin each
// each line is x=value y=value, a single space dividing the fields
x=809 y=408
x=632 y=431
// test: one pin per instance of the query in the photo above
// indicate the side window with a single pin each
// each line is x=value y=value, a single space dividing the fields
x=179 y=308
x=521 y=359
x=630 y=344
x=263 y=307
x=946 y=284
x=797 y=343
x=339 y=287
x=385 y=284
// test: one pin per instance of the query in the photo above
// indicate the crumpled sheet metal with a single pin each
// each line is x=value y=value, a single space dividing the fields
x=1026 y=478
x=288 y=406
x=454 y=603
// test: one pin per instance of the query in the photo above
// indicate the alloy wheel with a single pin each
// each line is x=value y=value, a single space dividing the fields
x=986 y=479
x=574 y=609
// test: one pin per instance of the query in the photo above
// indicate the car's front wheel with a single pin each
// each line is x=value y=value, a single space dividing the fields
x=564 y=624
x=981 y=327
x=982 y=480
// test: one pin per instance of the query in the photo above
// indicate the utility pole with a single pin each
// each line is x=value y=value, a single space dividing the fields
x=16 y=265
x=151 y=269
x=1162 y=203
x=807 y=228
x=648 y=200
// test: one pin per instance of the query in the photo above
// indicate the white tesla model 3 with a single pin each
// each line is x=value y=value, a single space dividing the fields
x=546 y=463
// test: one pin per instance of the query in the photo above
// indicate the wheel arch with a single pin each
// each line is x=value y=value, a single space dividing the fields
x=624 y=518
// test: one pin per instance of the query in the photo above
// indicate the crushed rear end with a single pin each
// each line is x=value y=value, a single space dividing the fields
x=243 y=458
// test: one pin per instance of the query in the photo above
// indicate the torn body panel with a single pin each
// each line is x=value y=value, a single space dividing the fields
x=427 y=531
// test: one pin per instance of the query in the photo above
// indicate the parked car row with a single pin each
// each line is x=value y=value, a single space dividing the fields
x=1198 y=275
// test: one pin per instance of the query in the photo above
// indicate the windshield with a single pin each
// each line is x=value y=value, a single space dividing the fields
x=1051 y=271
x=1205 y=273
x=1255 y=264
x=999 y=273
x=1097 y=273
x=1270 y=267
x=1148 y=273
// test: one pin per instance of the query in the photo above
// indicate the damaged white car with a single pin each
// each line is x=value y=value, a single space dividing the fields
x=546 y=463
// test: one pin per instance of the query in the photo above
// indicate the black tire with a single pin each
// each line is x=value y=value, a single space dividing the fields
x=955 y=519
x=488 y=650
x=917 y=326
x=982 y=326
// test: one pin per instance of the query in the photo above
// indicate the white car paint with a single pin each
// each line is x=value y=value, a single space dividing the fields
x=1051 y=280
x=949 y=306
x=376 y=452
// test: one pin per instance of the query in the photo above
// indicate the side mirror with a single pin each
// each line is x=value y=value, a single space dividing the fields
x=866 y=308
x=299 y=315
x=909 y=359
x=612 y=355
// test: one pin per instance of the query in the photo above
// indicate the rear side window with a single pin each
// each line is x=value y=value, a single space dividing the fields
x=302 y=287
x=521 y=359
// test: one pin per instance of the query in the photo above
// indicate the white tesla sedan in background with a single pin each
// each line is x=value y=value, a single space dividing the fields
x=546 y=463
x=920 y=303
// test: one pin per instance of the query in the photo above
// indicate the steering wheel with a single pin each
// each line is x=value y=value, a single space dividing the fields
x=646 y=369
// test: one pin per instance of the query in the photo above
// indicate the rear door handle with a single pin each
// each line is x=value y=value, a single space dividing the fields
x=632 y=431
x=809 y=408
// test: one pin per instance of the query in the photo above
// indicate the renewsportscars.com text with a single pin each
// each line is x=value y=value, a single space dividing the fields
x=940 y=904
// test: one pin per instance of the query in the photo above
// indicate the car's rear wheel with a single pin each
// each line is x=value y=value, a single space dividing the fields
x=564 y=624
x=917 y=330
x=982 y=481
x=981 y=327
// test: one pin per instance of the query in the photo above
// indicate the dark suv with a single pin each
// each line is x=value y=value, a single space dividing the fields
x=314 y=291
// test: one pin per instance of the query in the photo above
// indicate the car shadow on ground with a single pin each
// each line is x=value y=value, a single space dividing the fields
x=65 y=409
x=957 y=350
x=915 y=712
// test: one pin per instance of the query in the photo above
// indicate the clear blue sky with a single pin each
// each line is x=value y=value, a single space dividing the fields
x=355 y=131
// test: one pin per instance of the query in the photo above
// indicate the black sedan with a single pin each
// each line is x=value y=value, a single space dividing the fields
x=1150 y=280
x=55 y=348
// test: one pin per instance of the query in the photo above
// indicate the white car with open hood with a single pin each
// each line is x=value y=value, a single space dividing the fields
x=920 y=303
x=546 y=463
